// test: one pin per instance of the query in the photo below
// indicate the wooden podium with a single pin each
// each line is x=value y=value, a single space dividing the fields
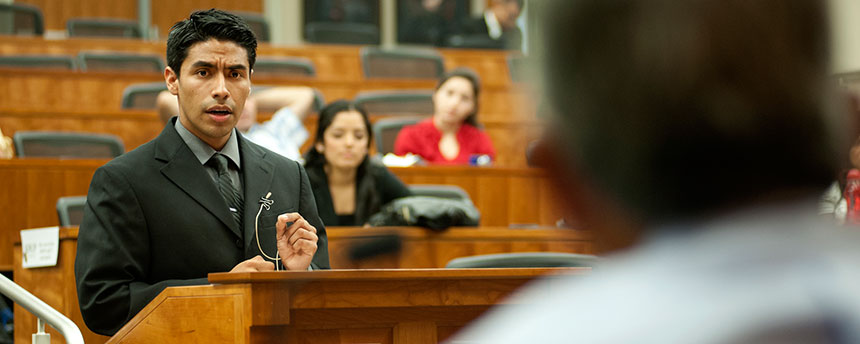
x=335 y=306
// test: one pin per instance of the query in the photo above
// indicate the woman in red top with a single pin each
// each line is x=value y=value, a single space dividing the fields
x=451 y=136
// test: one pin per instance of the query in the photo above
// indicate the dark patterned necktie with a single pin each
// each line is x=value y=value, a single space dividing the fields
x=227 y=189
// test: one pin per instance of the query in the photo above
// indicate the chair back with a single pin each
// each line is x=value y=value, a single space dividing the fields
x=102 y=27
x=517 y=67
x=21 y=19
x=401 y=63
x=283 y=66
x=38 y=61
x=476 y=41
x=257 y=23
x=397 y=102
x=114 y=61
x=67 y=145
x=341 y=33
x=524 y=260
x=385 y=131
x=142 y=96
x=70 y=210
x=440 y=190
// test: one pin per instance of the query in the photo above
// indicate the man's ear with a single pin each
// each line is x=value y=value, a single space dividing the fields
x=172 y=81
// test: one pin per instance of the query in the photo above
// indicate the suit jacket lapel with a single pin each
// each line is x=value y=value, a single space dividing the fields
x=258 y=174
x=184 y=170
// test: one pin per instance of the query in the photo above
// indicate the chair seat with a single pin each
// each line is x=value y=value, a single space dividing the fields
x=524 y=260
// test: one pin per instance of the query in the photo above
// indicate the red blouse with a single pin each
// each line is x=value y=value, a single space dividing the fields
x=423 y=139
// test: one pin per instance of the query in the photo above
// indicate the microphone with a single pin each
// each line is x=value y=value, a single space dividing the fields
x=265 y=202
x=375 y=246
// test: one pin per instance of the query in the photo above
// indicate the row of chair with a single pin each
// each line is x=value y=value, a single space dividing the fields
x=25 y=19
x=79 y=145
x=76 y=145
x=137 y=62
x=28 y=20
x=376 y=63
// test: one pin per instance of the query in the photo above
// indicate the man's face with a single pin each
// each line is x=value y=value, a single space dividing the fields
x=211 y=90
x=509 y=13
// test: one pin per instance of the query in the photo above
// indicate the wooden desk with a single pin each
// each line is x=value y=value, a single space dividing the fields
x=502 y=195
x=339 y=306
x=421 y=249
x=134 y=127
x=30 y=191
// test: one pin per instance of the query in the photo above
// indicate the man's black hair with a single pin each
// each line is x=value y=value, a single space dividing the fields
x=204 y=25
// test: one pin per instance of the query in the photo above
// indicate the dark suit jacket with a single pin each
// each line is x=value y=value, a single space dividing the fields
x=510 y=39
x=154 y=219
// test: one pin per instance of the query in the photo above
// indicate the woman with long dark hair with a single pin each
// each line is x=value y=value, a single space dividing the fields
x=347 y=185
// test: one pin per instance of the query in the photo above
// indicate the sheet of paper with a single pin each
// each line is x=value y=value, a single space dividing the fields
x=40 y=247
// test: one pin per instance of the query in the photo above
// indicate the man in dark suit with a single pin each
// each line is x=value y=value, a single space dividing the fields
x=496 y=28
x=200 y=197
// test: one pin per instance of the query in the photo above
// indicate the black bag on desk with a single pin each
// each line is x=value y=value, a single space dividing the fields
x=432 y=212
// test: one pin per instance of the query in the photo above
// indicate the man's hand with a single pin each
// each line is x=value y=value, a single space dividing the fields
x=296 y=243
x=253 y=265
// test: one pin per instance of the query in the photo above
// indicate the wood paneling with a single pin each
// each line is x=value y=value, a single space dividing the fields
x=55 y=286
x=412 y=304
x=56 y=12
x=421 y=248
x=32 y=186
x=32 y=90
x=503 y=195
x=133 y=127
x=30 y=191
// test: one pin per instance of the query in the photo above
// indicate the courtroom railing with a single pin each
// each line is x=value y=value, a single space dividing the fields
x=43 y=312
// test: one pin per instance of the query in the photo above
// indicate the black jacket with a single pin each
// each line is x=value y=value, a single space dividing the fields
x=386 y=185
x=154 y=219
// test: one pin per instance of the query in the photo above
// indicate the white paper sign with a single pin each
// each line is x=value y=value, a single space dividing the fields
x=40 y=246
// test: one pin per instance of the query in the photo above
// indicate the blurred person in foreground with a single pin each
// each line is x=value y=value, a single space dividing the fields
x=284 y=133
x=692 y=138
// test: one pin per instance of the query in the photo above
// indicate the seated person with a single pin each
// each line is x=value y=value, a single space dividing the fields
x=425 y=22
x=498 y=25
x=451 y=136
x=833 y=204
x=347 y=185
x=7 y=148
x=283 y=134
